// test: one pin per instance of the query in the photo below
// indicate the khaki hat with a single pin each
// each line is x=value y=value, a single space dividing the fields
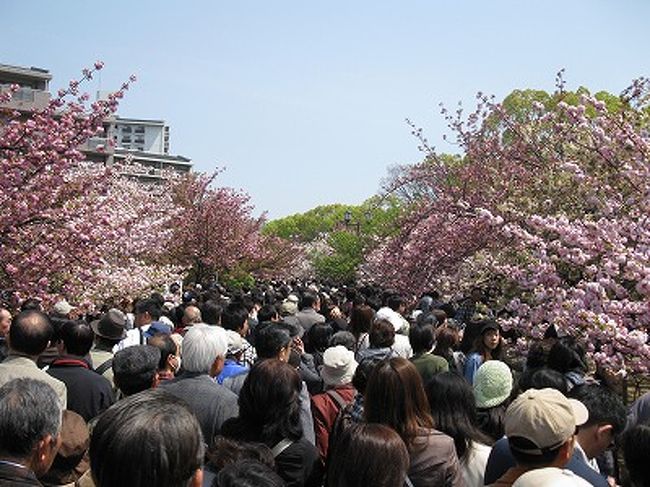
x=235 y=342
x=288 y=307
x=62 y=308
x=544 y=417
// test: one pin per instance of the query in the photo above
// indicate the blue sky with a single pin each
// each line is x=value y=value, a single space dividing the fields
x=304 y=102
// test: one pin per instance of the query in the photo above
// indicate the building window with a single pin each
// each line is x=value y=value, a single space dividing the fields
x=139 y=129
x=126 y=130
x=126 y=139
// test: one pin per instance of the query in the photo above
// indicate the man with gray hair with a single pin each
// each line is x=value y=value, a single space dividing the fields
x=203 y=355
x=30 y=423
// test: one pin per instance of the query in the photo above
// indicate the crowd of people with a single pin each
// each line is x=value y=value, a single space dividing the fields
x=303 y=384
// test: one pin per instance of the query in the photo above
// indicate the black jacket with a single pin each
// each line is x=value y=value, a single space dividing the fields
x=89 y=394
x=299 y=464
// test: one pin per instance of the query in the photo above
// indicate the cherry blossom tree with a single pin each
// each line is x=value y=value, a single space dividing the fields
x=70 y=227
x=553 y=204
x=216 y=230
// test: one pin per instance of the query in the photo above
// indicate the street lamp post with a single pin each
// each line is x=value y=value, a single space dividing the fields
x=348 y=222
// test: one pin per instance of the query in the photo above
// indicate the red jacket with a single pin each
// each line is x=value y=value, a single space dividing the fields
x=324 y=408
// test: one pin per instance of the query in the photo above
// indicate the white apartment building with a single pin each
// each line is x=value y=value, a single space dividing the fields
x=140 y=135
x=137 y=147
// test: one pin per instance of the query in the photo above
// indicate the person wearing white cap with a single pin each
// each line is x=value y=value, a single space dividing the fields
x=337 y=372
x=62 y=309
x=550 y=477
x=541 y=425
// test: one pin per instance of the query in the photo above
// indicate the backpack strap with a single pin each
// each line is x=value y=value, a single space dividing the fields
x=280 y=446
x=105 y=366
x=338 y=399
x=407 y=482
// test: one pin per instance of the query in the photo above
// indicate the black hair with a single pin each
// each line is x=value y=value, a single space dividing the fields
x=294 y=329
x=368 y=454
x=567 y=355
x=536 y=356
x=135 y=367
x=247 y=302
x=517 y=443
x=30 y=332
x=491 y=421
x=451 y=399
x=542 y=379
x=224 y=451
x=248 y=473
x=32 y=304
x=382 y=334
x=636 y=445
x=77 y=337
x=374 y=302
x=308 y=300
x=234 y=317
x=167 y=346
x=427 y=318
x=318 y=337
x=364 y=369
x=150 y=306
x=211 y=312
x=267 y=313
x=269 y=405
x=395 y=301
x=604 y=406
x=157 y=298
x=422 y=337
x=156 y=428
x=270 y=340
x=361 y=319
x=344 y=338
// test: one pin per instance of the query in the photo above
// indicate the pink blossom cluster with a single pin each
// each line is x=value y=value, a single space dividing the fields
x=552 y=205
x=76 y=229
x=219 y=233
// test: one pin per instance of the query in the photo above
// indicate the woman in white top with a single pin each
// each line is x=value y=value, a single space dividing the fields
x=452 y=406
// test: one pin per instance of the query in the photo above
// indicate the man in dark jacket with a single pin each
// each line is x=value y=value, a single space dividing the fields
x=88 y=392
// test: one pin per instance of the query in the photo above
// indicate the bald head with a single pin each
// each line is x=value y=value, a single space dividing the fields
x=30 y=333
x=191 y=316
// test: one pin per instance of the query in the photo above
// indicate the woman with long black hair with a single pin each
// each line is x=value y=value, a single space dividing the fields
x=451 y=400
x=269 y=413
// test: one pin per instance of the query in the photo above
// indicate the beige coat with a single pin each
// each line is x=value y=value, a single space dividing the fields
x=22 y=367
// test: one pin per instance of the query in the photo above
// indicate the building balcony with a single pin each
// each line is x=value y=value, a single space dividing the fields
x=26 y=99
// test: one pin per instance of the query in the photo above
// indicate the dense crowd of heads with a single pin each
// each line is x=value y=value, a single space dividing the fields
x=303 y=384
